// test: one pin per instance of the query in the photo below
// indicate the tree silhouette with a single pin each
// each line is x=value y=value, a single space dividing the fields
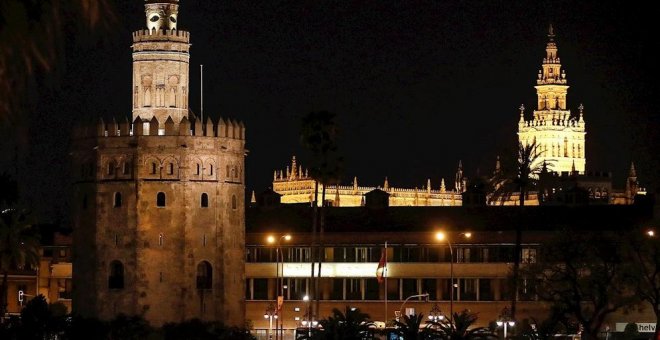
x=32 y=34
x=521 y=179
x=319 y=136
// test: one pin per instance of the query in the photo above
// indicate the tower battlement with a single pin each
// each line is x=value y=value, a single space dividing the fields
x=161 y=35
x=228 y=128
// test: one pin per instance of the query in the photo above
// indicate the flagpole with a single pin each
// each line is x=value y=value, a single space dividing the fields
x=385 y=276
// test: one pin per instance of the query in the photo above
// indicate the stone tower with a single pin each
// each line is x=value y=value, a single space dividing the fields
x=559 y=135
x=158 y=201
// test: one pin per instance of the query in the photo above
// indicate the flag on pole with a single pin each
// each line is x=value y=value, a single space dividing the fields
x=382 y=264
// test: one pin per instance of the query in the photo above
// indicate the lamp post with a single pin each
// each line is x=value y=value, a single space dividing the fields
x=280 y=282
x=505 y=320
x=435 y=315
x=308 y=320
x=442 y=236
x=410 y=297
x=270 y=314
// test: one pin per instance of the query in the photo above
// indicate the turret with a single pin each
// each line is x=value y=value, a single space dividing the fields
x=161 y=14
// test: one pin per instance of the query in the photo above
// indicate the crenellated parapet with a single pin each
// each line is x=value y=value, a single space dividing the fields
x=228 y=128
x=164 y=35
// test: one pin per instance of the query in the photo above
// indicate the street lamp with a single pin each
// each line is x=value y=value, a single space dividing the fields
x=308 y=320
x=426 y=295
x=280 y=280
x=441 y=236
x=435 y=315
x=270 y=314
x=505 y=320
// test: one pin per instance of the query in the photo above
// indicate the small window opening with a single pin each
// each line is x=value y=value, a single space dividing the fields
x=160 y=199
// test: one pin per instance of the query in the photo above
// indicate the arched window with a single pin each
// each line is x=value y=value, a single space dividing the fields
x=116 y=278
x=211 y=170
x=160 y=199
x=205 y=200
x=153 y=168
x=117 y=200
x=147 y=97
x=170 y=169
x=111 y=168
x=204 y=275
x=198 y=168
x=127 y=168
x=234 y=202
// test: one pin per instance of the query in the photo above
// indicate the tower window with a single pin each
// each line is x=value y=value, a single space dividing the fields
x=205 y=200
x=161 y=239
x=127 y=168
x=198 y=168
x=111 y=168
x=117 y=200
x=204 y=275
x=234 y=202
x=160 y=199
x=116 y=278
x=170 y=169
x=153 y=168
x=211 y=170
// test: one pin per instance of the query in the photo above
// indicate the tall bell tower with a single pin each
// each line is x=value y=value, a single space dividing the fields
x=158 y=198
x=558 y=134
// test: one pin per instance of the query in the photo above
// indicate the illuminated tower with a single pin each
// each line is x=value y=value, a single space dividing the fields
x=158 y=201
x=559 y=135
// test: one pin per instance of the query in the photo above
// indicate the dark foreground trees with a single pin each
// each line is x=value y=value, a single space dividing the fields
x=583 y=275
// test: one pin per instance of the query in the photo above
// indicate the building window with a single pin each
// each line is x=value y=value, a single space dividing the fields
x=153 y=168
x=529 y=255
x=468 y=289
x=160 y=239
x=234 y=202
x=371 y=289
x=116 y=240
x=160 y=199
x=111 y=168
x=116 y=278
x=127 y=168
x=198 y=169
x=205 y=200
x=117 y=200
x=260 y=289
x=211 y=170
x=204 y=241
x=170 y=169
x=204 y=275
x=485 y=290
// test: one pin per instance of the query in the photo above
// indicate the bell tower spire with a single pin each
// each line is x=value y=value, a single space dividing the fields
x=160 y=65
x=558 y=134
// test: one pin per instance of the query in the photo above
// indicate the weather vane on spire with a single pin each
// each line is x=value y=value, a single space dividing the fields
x=551 y=33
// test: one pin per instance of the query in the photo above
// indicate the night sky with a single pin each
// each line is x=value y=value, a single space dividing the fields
x=417 y=86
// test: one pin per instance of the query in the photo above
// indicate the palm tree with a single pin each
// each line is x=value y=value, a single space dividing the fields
x=522 y=180
x=410 y=327
x=34 y=33
x=319 y=136
x=19 y=248
x=349 y=325
x=460 y=328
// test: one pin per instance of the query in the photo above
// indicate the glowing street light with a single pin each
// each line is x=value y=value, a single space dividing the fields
x=271 y=239
x=505 y=320
x=441 y=236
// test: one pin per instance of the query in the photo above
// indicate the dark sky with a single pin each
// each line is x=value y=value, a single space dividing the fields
x=417 y=86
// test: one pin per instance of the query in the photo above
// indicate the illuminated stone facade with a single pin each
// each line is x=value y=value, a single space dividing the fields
x=159 y=218
x=297 y=186
x=558 y=134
